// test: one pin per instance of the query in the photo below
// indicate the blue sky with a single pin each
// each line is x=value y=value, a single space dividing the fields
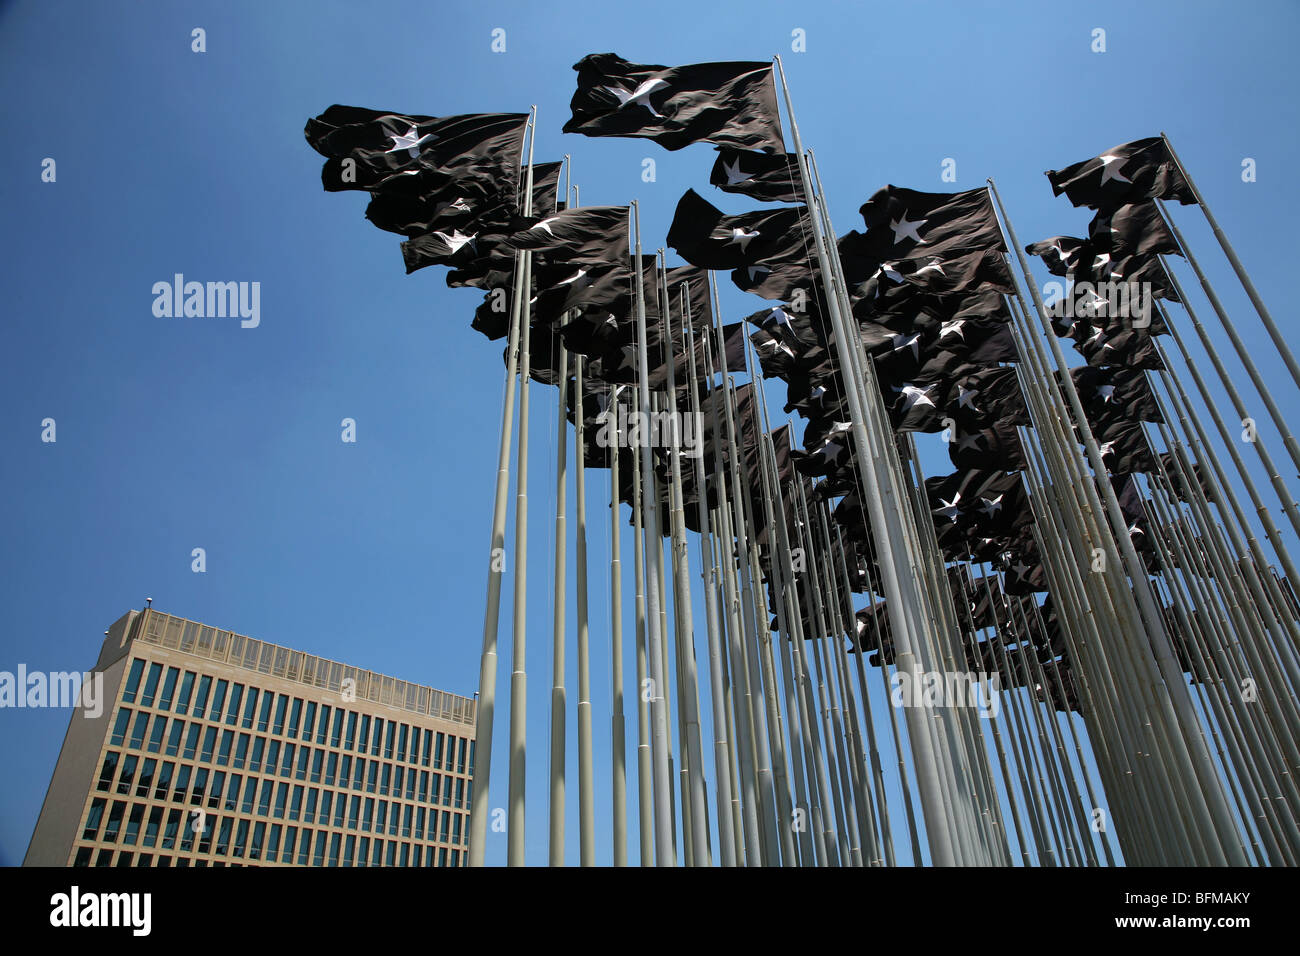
x=182 y=433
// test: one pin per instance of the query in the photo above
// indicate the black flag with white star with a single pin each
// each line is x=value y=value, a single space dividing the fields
x=1129 y=173
x=731 y=104
x=585 y=234
x=768 y=177
x=706 y=237
x=370 y=149
x=906 y=223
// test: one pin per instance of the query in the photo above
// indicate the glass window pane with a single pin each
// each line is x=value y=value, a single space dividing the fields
x=132 y=681
x=187 y=690
x=236 y=697
x=168 y=689
x=151 y=685
x=108 y=771
x=201 y=695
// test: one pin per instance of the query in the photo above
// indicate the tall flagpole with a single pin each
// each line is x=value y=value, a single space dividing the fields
x=663 y=825
x=619 y=767
x=586 y=766
x=1243 y=353
x=905 y=603
x=558 y=601
x=1279 y=340
x=487 y=686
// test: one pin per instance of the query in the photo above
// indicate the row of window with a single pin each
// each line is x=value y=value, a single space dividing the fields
x=173 y=828
x=199 y=696
x=123 y=774
x=257 y=754
x=363 y=852
x=200 y=640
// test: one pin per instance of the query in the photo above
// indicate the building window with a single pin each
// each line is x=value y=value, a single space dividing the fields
x=290 y=839
x=93 y=818
x=352 y=730
x=209 y=744
x=150 y=685
x=323 y=728
x=373 y=777
x=200 y=786
x=145 y=783
x=108 y=771
x=241 y=751
x=137 y=731
x=119 y=727
x=377 y=740
x=277 y=726
x=335 y=839
x=168 y=689
x=309 y=720
x=368 y=816
x=218 y=785
x=272 y=755
x=471 y=756
x=331 y=768
x=132 y=681
x=460 y=793
x=304 y=758
x=357 y=773
x=336 y=731
x=114 y=824
x=169 y=832
x=159 y=731
x=304 y=849
x=264 y=801
x=250 y=708
x=318 y=859
x=295 y=713
x=192 y=742
x=232 y=791
x=363 y=851
x=437 y=753
x=273 y=842
x=255 y=848
x=435 y=795
x=353 y=812
x=286 y=767
x=83 y=856
x=281 y=796
x=309 y=811
x=349 y=849
x=377 y=857
x=182 y=783
x=164 y=780
x=128 y=773
x=388 y=739
x=317 y=762
x=386 y=780
x=187 y=689
x=241 y=838
x=364 y=735
x=259 y=747
x=424 y=757
x=223 y=753
x=236 y=697
x=151 y=827
x=201 y=695
x=218 y=699
x=262 y=718
x=174 y=739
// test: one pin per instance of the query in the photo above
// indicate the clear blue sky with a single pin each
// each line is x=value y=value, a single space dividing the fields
x=182 y=433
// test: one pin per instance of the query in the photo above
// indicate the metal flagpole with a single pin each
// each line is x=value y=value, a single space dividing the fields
x=485 y=712
x=650 y=503
x=558 y=601
x=619 y=770
x=721 y=746
x=1274 y=332
x=1243 y=353
x=645 y=802
x=586 y=767
x=556 y=838
x=904 y=602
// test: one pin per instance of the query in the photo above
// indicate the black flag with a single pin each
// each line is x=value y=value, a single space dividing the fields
x=768 y=177
x=732 y=104
x=1129 y=173
x=706 y=237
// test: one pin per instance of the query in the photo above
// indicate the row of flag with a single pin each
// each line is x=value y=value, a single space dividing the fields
x=913 y=323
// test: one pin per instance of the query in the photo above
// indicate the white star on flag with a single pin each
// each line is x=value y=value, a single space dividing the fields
x=1110 y=169
x=638 y=97
x=953 y=327
x=409 y=141
x=455 y=241
x=949 y=509
x=966 y=398
x=991 y=506
x=907 y=230
x=734 y=173
x=739 y=237
x=912 y=395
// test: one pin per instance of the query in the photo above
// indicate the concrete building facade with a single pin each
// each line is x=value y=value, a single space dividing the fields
x=215 y=749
